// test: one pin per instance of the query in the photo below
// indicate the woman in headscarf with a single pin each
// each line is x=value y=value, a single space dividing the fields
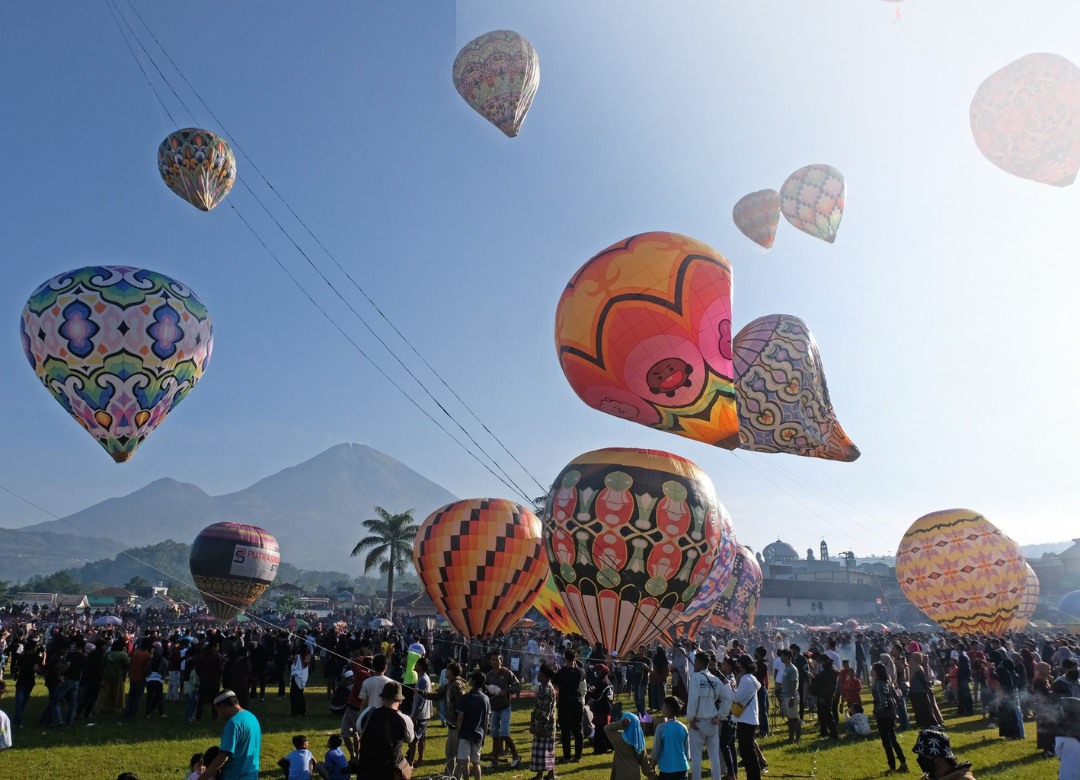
x=300 y=669
x=628 y=744
x=600 y=697
x=542 y=726
x=1010 y=721
x=1045 y=706
x=923 y=701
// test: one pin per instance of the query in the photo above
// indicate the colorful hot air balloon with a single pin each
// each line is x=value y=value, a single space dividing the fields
x=783 y=399
x=118 y=347
x=812 y=199
x=700 y=609
x=482 y=562
x=631 y=536
x=736 y=606
x=498 y=75
x=198 y=166
x=1029 y=602
x=1026 y=119
x=643 y=331
x=232 y=565
x=756 y=216
x=551 y=605
x=961 y=571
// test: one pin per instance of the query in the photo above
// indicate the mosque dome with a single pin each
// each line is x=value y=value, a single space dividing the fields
x=779 y=552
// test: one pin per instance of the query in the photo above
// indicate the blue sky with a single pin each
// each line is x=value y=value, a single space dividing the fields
x=942 y=310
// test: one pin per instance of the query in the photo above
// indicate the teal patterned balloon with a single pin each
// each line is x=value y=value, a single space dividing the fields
x=197 y=165
x=118 y=347
x=498 y=75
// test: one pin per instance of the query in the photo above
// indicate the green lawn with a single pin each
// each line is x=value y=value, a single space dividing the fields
x=156 y=748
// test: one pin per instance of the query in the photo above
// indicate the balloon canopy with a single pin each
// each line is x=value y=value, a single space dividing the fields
x=701 y=607
x=197 y=165
x=631 y=536
x=736 y=606
x=232 y=565
x=498 y=75
x=757 y=215
x=783 y=399
x=482 y=562
x=1026 y=119
x=812 y=199
x=1069 y=609
x=643 y=332
x=1029 y=602
x=118 y=347
x=962 y=572
x=549 y=602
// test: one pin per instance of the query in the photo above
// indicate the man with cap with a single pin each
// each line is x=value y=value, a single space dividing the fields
x=241 y=741
x=933 y=751
x=384 y=731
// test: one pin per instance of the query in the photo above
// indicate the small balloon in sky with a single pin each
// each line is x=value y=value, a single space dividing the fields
x=498 y=75
x=118 y=348
x=1026 y=119
x=783 y=398
x=643 y=332
x=812 y=199
x=756 y=216
x=197 y=165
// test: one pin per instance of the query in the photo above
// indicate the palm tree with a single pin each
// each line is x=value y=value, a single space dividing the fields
x=389 y=546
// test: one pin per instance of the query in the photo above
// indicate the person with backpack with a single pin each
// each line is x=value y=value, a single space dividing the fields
x=885 y=709
x=384 y=732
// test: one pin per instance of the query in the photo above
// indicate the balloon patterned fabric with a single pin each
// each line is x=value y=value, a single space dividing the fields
x=1025 y=119
x=812 y=199
x=118 y=347
x=233 y=564
x=757 y=216
x=1029 y=602
x=701 y=608
x=549 y=602
x=962 y=572
x=643 y=332
x=197 y=165
x=498 y=74
x=631 y=536
x=783 y=399
x=482 y=563
x=736 y=606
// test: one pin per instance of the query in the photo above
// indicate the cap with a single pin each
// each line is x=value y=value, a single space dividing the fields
x=223 y=696
x=348 y=673
x=392 y=690
x=932 y=742
x=89 y=647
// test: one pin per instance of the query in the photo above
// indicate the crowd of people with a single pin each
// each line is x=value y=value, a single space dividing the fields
x=718 y=697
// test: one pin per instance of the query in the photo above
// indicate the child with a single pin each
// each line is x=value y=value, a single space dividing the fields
x=671 y=745
x=299 y=764
x=195 y=767
x=336 y=765
x=857 y=722
x=208 y=757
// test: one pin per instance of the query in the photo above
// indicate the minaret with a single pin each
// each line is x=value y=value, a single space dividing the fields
x=824 y=550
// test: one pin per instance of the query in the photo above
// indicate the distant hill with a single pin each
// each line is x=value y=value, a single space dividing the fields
x=313 y=509
x=1036 y=550
x=24 y=553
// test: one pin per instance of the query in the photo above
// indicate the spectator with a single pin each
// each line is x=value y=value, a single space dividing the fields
x=570 y=704
x=384 y=731
x=473 y=714
x=933 y=751
x=241 y=741
x=671 y=743
x=885 y=709
x=299 y=764
x=542 y=725
x=334 y=766
x=501 y=685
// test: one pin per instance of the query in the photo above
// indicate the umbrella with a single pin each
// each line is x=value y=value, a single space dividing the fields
x=296 y=623
x=879 y=627
x=242 y=618
x=525 y=623
x=381 y=623
x=107 y=620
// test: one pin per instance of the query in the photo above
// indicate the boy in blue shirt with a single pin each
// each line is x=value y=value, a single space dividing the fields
x=299 y=764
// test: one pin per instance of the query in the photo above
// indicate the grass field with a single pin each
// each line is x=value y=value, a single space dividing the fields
x=160 y=748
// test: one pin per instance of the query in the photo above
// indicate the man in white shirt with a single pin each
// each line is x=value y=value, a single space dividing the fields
x=5 y=723
x=703 y=690
x=371 y=689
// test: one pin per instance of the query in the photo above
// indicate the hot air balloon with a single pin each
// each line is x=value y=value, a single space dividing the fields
x=756 y=216
x=643 y=332
x=961 y=571
x=118 y=347
x=1026 y=119
x=550 y=604
x=198 y=166
x=736 y=606
x=701 y=608
x=783 y=399
x=1029 y=602
x=812 y=199
x=232 y=565
x=481 y=561
x=1069 y=610
x=631 y=536
x=498 y=75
